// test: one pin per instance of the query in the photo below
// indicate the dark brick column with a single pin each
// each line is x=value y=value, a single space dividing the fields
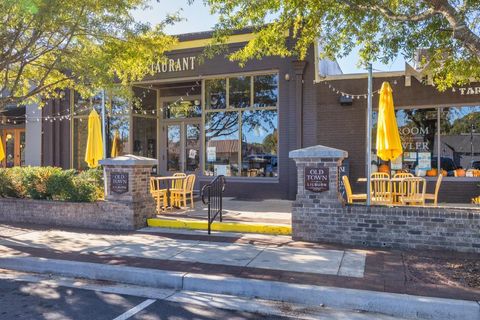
x=299 y=69
x=309 y=206
x=127 y=183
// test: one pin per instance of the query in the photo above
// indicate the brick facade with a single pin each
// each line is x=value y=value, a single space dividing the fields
x=324 y=217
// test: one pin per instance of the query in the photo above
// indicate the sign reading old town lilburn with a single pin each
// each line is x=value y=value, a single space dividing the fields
x=119 y=182
x=316 y=179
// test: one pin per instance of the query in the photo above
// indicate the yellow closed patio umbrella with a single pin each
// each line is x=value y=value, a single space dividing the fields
x=2 y=151
x=115 y=145
x=389 y=146
x=94 y=151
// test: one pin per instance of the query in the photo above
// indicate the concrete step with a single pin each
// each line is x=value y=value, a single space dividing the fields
x=236 y=227
x=392 y=304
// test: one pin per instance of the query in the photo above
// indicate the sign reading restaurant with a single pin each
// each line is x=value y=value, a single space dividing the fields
x=174 y=65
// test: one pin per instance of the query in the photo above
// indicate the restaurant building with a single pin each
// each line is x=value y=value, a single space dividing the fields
x=211 y=117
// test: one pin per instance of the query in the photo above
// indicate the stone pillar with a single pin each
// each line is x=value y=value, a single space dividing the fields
x=127 y=188
x=317 y=188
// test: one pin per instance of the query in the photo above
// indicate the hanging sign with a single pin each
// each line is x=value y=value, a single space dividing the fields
x=119 y=182
x=316 y=179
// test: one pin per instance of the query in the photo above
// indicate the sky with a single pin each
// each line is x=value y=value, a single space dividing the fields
x=197 y=18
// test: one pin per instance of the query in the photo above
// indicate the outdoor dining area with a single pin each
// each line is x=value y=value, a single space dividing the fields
x=401 y=189
x=173 y=191
x=387 y=186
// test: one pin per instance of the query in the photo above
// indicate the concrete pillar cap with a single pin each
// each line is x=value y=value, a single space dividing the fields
x=129 y=160
x=318 y=151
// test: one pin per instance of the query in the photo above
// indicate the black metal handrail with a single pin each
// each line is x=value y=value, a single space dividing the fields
x=213 y=192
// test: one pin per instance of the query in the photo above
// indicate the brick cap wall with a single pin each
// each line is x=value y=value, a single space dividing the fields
x=128 y=160
x=318 y=151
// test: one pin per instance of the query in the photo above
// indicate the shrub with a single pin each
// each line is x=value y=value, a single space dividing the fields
x=51 y=183
x=35 y=180
x=83 y=191
x=95 y=178
x=11 y=183
x=60 y=185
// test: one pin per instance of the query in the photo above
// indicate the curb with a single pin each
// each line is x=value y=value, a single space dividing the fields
x=223 y=226
x=393 y=304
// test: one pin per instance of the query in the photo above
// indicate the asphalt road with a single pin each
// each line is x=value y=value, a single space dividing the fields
x=26 y=300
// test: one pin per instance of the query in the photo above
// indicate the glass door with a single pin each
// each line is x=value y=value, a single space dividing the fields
x=183 y=146
x=193 y=142
x=14 y=146
x=9 y=138
x=181 y=135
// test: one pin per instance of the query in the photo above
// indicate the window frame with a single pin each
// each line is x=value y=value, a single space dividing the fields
x=240 y=111
x=84 y=117
x=438 y=108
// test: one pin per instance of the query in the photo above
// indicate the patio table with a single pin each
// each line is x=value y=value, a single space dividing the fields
x=167 y=179
x=394 y=180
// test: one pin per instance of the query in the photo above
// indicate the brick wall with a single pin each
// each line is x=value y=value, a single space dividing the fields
x=106 y=215
x=323 y=217
x=398 y=227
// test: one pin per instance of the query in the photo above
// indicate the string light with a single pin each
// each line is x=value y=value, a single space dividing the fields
x=68 y=115
x=351 y=95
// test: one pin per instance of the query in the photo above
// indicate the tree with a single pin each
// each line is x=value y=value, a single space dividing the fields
x=49 y=45
x=449 y=29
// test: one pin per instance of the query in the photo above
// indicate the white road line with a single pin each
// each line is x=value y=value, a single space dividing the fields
x=135 y=309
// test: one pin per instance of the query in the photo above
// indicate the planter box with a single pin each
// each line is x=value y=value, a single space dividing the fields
x=105 y=215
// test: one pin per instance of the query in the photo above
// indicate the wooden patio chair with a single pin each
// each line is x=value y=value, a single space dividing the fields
x=381 y=175
x=180 y=196
x=434 y=196
x=177 y=185
x=380 y=191
x=399 y=186
x=414 y=193
x=158 y=194
x=350 y=196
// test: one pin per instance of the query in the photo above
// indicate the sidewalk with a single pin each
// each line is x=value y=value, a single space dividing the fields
x=242 y=256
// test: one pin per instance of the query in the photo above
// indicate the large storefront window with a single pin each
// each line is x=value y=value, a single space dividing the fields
x=242 y=139
x=259 y=143
x=448 y=135
x=144 y=123
x=216 y=94
x=80 y=127
x=221 y=135
x=145 y=137
x=117 y=123
x=460 y=140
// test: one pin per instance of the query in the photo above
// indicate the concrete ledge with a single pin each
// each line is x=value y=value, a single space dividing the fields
x=399 y=305
x=221 y=226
